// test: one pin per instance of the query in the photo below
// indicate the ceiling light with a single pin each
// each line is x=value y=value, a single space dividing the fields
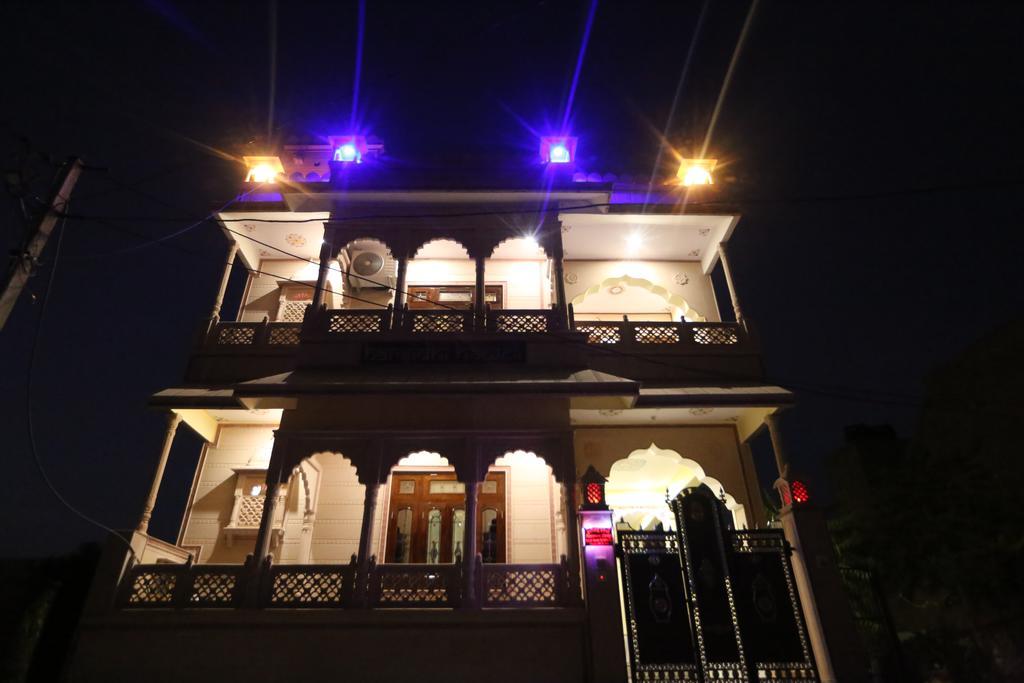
x=634 y=241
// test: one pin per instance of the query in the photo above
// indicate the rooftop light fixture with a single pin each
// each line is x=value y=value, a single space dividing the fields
x=558 y=150
x=348 y=149
x=696 y=172
x=262 y=169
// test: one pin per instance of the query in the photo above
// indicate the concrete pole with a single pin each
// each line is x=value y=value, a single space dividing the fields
x=812 y=617
x=228 y=264
x=173 y=421
x=729 y=282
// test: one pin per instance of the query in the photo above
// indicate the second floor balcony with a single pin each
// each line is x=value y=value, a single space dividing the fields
x=239 y=351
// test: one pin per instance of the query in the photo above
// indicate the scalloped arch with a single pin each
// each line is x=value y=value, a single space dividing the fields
x=674 y=299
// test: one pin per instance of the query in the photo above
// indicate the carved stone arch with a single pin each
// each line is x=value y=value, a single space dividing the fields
x=345 y=236
x=670 y=298
x=421 y=238
x=499 y=240
x=551 y=449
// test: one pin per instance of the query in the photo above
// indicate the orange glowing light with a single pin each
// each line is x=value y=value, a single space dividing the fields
x=696 y=172
x=263 y=169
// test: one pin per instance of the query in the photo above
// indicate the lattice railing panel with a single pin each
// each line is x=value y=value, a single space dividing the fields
x=521 y=585
x=153 y=586
x=656 y=334
x=284 y=334
x=441 y=323
x=352 y=322
x=214 y=587
x=308 y=586
x=293 y=311
x=714 y=336
x=236 y=335
x=601 y=334
x=521 y=322
x=250 y=511
x=408 y=585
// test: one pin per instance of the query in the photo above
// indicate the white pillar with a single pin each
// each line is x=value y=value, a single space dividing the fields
x=812 y=618
x=224 y=278
x=173 y=421
x=729 y=282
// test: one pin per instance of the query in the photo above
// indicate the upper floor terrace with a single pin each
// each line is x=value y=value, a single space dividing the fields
x=584 y=274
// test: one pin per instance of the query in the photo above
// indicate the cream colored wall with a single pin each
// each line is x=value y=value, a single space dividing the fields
x=526 y=283
x=529 y=528
x=715 y=448
x=697 y=290
x=263 y=293
x=339 y=512
x=236 y=446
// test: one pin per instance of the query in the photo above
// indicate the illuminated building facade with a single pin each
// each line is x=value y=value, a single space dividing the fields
x=465 y=429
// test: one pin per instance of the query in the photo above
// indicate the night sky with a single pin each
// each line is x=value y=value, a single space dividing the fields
x=837 y=115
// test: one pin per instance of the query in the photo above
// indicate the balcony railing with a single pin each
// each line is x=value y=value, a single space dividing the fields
x=189 y=586
x=341 y=323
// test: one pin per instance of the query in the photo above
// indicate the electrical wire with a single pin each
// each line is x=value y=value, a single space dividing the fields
x=733 y=204
x=841 y=393
x=33 y=448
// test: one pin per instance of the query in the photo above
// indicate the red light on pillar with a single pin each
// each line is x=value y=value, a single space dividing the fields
x=799 y=493
x=592 y=485
x=598 y=536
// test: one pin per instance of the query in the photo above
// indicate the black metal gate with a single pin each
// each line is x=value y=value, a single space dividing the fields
x=709 y=603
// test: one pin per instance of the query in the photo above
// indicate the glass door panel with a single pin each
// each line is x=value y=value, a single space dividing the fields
x=458 y=534
x=402 y=536
x=434 y=536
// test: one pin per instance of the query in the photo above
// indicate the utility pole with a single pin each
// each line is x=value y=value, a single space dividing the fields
x=24 y=262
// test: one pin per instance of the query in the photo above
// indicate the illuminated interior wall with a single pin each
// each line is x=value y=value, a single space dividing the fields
x=339 y=511
x=680 y=285
x=236 y=446
x=263 y=296
x=714 y=448
x=525 y=283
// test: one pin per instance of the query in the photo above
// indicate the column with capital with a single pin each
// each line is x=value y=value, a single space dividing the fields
x=173 y=420
x=722 y=253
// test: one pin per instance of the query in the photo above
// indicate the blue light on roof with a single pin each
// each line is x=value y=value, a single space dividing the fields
x=347 y=152
x=560 y=154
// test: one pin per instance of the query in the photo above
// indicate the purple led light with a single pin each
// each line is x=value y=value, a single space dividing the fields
x=557 y=150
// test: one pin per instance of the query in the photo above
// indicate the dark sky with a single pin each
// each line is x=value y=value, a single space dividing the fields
x=858 y=295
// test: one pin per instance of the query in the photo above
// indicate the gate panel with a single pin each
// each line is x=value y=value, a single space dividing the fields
x=768 y=607
x=702 y=524
x=661 y=641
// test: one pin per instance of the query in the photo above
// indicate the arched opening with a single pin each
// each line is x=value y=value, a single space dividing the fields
x=518 y=275
x=370 y=274
x=638 y=298
x=639 y=484
x=319 y=512
x=441 y=276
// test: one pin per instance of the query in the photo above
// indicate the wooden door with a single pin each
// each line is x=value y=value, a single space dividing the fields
x=426 y=518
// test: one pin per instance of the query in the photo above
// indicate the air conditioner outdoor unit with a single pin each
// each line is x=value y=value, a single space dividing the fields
x=371 y=266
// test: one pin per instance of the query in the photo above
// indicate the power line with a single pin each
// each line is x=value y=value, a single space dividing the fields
x=731 y=203
x=33 y=449
x=847 y=393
